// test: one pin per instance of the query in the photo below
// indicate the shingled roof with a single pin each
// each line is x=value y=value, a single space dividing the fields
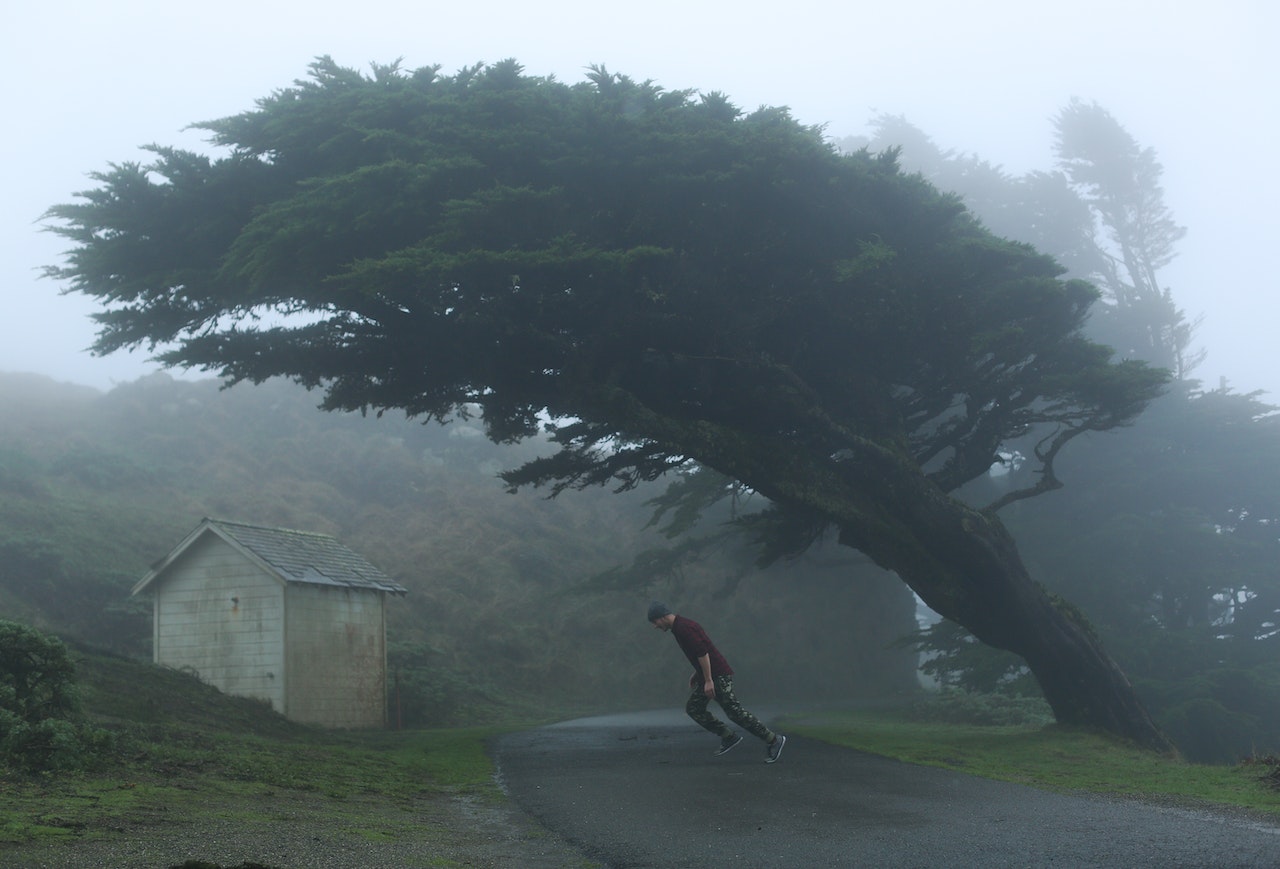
x=294 y=556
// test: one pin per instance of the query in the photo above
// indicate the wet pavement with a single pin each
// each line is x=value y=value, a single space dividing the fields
x=644 y=790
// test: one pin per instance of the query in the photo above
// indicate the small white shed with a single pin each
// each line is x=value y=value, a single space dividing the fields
x=291 y=617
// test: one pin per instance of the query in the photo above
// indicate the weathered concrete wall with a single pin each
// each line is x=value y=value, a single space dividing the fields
x=219 y=614
x=337 y=662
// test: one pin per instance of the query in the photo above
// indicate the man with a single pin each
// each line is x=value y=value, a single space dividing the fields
x=712 y=680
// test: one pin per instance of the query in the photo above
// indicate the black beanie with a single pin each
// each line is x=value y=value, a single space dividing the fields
x=658 y=610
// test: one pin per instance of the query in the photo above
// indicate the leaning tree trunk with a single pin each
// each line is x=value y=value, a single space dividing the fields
x=961 y=561
x=965 y=565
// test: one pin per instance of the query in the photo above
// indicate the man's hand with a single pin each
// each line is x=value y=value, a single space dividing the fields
x=708 y=686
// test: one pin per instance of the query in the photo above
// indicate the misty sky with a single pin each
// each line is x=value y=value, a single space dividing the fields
x=89 y=82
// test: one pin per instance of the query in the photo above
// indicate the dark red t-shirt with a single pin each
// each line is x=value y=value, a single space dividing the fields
x=695 y=643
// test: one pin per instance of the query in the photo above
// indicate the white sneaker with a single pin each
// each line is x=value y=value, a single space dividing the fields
x=774 y=749
x=726 y=744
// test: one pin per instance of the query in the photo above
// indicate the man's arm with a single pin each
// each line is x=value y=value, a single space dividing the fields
x=708 y=686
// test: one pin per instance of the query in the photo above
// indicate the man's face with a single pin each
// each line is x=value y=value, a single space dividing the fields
x=663 y=623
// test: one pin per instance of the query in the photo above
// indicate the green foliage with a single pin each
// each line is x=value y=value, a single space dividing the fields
x=494 y=579
x=1166 y=536
x=35 y=571
x=982 y=709
x=39 y=678
x=1270 y=766
x=956 y=660
x=1220 y=714
x=16 y=475
x=423 y=693
x=40 y=723
x=1214 y=712
x=186 y=755
x=1052 y=757
x=629 y=257
x=203 y=864
x=673 y=282
x=1101 y=214
x=1174 y=555
x=1210 y=732
x=1120 y=181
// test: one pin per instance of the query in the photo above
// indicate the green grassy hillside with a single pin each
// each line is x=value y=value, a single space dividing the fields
x=501 y=606
x=186 y=758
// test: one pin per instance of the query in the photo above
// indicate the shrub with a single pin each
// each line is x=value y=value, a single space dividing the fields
x=1205 y=731
x=1220 y=715
x=425 y=693
x=997 y=710
x=1269 y=769
x=41 y=728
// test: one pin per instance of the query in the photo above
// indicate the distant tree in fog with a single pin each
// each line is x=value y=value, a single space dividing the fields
x=1039 y=208
x=1120 y=180
x=674 y=282
x=1167 y=536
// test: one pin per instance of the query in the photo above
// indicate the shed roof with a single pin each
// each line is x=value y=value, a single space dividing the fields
x=294 y=556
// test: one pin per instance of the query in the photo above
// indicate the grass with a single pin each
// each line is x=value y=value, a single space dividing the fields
x=1045 y=756
x=233 y=776
x=183 y=749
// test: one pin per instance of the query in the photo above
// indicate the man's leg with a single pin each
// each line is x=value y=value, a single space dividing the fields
x=737 y=714
x=697 y=709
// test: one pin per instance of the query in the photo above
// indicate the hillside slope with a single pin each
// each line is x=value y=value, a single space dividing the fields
x=501 y=609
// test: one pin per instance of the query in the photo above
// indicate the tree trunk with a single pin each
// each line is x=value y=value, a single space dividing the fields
x=962 y=562
x=965 y=565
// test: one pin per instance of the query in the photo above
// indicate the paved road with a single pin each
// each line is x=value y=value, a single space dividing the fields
x=644 y=790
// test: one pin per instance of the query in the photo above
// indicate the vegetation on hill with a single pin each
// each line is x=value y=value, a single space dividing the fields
x=41 y=725
x=1164 y=538
x=192 y=774
x=503 y=607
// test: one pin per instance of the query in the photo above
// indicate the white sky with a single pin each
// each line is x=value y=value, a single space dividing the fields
x=89 y=82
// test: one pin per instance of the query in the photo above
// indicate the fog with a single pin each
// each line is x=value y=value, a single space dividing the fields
x=91 y=82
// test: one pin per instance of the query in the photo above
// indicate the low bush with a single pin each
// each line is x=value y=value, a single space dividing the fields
x=992 y=710
x=1268 y=767
x=41 y=726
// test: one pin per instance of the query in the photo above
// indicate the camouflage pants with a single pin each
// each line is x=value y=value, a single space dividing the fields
x=702 y=716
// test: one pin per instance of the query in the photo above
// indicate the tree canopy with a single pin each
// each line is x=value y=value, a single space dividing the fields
x=518 y=245
x=670 y=279
x=1120 y=181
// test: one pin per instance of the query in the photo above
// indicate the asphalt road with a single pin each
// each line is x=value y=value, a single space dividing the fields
x=644 y=790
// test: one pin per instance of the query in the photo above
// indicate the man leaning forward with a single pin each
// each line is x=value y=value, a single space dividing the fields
x=712 y=679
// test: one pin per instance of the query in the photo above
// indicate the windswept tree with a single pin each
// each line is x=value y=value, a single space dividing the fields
x=675 y=283
x=1042 y=209
x=1120 y=180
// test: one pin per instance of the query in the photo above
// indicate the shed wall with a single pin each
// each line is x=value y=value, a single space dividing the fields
x=221 y=615
x=337 y=657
